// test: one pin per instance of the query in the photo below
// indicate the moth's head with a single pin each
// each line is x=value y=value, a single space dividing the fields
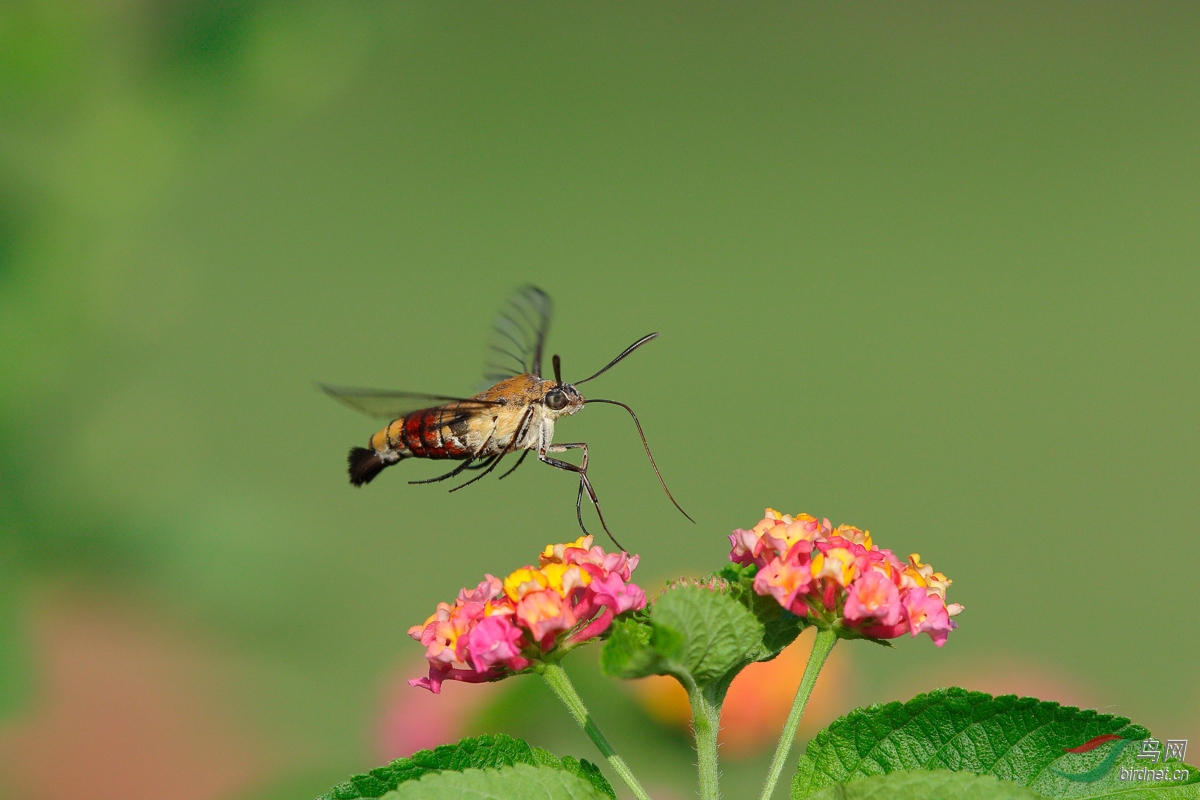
x=562 y=399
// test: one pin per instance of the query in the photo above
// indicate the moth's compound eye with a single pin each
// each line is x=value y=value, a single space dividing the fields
x=555 y=401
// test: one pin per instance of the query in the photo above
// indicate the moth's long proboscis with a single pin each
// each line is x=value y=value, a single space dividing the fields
x=645 y=444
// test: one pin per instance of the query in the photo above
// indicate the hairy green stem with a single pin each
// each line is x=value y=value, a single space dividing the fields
x=706 y=722
x=561 y=685
x=824 y=642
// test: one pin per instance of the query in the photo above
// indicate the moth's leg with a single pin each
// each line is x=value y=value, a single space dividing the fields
x=513 y=468
x=456 y=470
x=520 y=435
x=554 y=462
x=579 y=507
x=507 y=449
x=471 y=463
x=584 y=483
x=491 y=465
x=562 y=448
x=471 y=459
x=583 y=479
x=465 y=465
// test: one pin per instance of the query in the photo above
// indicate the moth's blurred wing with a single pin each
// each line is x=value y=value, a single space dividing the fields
x=518 y=336
x=393 y=405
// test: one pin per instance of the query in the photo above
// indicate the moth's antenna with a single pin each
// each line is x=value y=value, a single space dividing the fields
x=641 y=433
x=627 y=351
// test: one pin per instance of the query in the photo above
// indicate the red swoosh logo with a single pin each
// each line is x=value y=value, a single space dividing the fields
x=1092 y=744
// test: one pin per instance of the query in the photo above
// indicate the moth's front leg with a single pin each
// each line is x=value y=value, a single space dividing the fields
x=584 y=483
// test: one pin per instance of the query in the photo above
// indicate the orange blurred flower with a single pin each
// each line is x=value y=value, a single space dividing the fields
x=758 y=700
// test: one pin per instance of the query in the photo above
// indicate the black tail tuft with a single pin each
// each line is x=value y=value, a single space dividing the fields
x=365 y=464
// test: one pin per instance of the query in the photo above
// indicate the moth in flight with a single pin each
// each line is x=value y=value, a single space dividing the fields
x=516 y=414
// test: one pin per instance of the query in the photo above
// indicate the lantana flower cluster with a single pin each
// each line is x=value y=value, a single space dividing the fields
x=505 y=626
x=839 y=577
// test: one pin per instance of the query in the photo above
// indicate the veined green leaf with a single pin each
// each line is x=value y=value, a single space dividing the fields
x=520 y=782
x=1022 y=740
x=694 y=632
x=927 y=785
x=487 y=752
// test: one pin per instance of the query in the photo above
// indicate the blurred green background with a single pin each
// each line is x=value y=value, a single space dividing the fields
x=930 y=270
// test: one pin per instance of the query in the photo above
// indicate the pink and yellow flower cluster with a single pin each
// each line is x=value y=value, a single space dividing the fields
x=505 y=626
x=837 y=576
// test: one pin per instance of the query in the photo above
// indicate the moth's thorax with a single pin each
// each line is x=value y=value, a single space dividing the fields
x=517 y=390
x=525 y=390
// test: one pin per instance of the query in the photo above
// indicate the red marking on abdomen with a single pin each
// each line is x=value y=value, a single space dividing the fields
x=412 y=434
x=431 y=433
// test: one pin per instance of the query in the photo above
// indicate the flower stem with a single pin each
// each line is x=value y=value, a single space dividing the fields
x=706 y=721
x=556 y=678
x=824 y=642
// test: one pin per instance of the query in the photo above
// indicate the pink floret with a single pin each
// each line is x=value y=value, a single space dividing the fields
x=872 y=597
x=926 y=613
x=839 y=578
x=495 y=641
x=616 y=594
x=490 y=632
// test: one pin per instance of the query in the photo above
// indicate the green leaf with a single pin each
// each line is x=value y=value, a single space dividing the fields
x=484 y=752
x=927 y=784
x=1112 y=771
x=1022 y=740
x=697 y=633
x=627 y=652
x=780 y=627
x=521 y=782
x=715 y=632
